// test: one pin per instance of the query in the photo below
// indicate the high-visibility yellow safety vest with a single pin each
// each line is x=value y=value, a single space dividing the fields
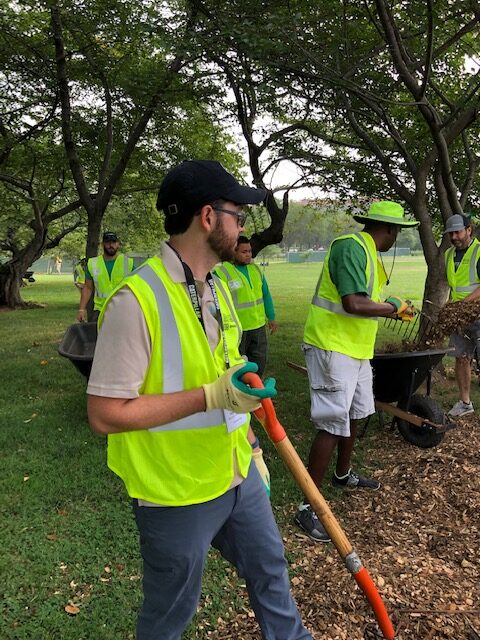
x=465 y=279
x=103 y=283
x=328 y=325
x=247 y=296
x=79 y=274
x=191 y=460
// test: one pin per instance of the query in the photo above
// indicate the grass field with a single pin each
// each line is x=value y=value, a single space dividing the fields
x=68 y=536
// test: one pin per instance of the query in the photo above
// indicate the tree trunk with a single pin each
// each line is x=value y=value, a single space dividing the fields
x=273 y=234
x=436 y=288
x=95 y=218
x=10 y=282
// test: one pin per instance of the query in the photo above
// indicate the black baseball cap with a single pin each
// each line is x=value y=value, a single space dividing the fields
x=110 y=236
x=194 y=183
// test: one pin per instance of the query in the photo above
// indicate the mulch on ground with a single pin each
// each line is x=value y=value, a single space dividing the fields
x=419 y=537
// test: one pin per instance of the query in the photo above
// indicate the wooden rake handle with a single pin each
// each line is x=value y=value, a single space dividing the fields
x=267 y=417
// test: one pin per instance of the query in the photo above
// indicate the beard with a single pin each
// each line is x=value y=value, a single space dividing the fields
x=220 y=243
x=109 y=250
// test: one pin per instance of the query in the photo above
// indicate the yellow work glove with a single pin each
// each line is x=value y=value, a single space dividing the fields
x=230 y=392
x=404 y=308
x=262 y=469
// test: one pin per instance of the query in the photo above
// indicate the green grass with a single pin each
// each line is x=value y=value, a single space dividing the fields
x=66 y=526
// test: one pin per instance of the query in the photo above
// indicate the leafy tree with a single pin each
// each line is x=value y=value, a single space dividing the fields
x=113 y=83
x=374 y=99
x=38 y=209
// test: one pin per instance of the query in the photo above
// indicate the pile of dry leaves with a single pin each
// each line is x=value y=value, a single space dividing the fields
x=427 y=332
x=454 y=317
x=419 y=537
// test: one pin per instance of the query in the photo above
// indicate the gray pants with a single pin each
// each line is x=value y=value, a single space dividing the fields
x=174 y=542
x=254 y=346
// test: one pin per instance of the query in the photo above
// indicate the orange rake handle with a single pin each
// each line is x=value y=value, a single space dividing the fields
x=267 y=417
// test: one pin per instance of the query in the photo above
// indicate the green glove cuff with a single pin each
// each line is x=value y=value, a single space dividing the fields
x=268 y=391
x=397 y=303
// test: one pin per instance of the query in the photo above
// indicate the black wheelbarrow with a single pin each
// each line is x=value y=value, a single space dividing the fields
x=78 y=345
x=396 y=378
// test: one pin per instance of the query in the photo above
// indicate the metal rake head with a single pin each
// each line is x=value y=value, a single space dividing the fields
x=417 y=330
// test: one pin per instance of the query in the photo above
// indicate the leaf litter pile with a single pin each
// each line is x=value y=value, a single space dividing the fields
x=430 y=332
x=418 y=536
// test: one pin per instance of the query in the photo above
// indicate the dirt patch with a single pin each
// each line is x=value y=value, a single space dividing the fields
x=419 y=538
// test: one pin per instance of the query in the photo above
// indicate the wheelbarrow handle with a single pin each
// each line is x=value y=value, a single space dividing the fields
x=267 y=417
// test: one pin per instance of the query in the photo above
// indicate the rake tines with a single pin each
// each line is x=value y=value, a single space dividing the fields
x=410 y=328
x=416 y=330
x=426 y=327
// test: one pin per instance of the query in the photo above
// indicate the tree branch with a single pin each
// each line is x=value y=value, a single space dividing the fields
x=62 y=79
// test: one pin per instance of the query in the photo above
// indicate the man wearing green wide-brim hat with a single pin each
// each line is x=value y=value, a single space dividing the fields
x=386 y=211
x=339 y=338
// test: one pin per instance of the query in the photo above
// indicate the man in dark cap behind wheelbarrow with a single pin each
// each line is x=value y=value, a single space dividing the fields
x=462 y=263
x=339 y=339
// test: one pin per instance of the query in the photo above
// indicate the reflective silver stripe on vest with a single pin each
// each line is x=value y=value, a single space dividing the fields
x=125 y=266
x=94 y=274
x=337 y=307
x=172 y=358
x=239 y=305
x=233 y=313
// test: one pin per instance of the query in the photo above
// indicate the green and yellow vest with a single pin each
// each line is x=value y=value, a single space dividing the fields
x=191 y=460
x=79 y=274
x=465 y=279
x=103 y=283
x=247 y=296
x=328 y=325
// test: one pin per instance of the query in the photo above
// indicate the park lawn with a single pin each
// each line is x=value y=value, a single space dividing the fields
x=68 y=535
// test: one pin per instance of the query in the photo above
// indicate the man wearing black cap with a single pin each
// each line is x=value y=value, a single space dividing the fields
x=176 y=411
x=102 y=275
x=462 y=263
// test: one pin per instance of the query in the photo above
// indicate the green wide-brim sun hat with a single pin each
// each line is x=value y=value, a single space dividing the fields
x=385 y=211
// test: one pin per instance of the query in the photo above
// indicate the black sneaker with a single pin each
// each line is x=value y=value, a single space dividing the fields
x=308 y=521
x=354 y=481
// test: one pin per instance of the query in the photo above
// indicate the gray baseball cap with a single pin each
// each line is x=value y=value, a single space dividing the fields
x=456 y=223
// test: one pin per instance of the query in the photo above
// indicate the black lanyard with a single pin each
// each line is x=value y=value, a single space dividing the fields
x=195 y=300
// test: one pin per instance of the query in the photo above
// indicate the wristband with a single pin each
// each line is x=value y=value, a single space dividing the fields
x=256 y=444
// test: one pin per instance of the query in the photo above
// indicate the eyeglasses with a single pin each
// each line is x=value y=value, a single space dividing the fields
x=240 y=215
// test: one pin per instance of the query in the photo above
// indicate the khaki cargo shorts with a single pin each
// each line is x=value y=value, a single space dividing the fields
x=341 y=389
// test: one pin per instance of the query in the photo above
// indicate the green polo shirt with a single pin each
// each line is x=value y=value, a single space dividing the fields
x=347 y=264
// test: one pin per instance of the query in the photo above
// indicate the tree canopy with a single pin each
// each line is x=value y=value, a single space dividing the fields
x=375 y=99
x=368 y=100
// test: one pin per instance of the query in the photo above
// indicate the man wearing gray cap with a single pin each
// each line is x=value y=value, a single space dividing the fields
x=462 y=263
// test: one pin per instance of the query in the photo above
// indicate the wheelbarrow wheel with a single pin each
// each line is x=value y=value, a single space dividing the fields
x=424 y=407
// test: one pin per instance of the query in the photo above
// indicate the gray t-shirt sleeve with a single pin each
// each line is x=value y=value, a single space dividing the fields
x=119 y=365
